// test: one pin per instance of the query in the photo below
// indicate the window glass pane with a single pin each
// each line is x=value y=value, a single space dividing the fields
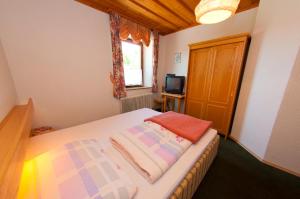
x=132 y=63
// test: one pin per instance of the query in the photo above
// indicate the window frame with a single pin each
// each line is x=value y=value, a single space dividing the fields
x=142 y=63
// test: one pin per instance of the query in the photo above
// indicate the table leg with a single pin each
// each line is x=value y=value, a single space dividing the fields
x=165 y=103
x=173 y=105
x=179 y=105
x=163 y=106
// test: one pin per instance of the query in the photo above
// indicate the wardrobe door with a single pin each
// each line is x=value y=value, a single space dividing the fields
x=198 y=78
x=223 y=84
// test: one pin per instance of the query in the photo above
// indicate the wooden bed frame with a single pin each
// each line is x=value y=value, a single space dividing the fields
x=14 y=136
x=193 y=178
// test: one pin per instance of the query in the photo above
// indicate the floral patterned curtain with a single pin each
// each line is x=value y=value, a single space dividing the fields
x=138 y=33
x=117 y=77
x=155 y=61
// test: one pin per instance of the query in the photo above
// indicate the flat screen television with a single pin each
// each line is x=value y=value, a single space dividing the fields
x=174 y=84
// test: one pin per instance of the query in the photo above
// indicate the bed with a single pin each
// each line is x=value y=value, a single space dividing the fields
x=180 y=181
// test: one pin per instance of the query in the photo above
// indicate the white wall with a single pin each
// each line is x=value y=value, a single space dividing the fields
x=178 y=42
x=275 y=42
x=59 y=53
x=7 y=88
x=284 y=144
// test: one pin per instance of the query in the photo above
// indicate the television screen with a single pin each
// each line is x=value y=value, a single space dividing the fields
x=174 y=84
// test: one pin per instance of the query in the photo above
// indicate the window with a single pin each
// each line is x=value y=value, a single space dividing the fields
x=133 y=63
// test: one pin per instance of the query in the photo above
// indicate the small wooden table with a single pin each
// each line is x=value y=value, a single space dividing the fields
x=174 y=96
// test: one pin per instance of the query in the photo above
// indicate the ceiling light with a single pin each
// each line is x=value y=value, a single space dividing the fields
x=215 y=11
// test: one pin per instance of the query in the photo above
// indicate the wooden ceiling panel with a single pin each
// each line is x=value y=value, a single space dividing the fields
x=108 y=6
x=132 y=7
x=166 y=16
x=163 y=12
x=191 y=3
x=179 y=7
x=246 y=5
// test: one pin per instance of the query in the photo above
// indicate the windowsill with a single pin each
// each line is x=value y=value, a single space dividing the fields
x=137 y=88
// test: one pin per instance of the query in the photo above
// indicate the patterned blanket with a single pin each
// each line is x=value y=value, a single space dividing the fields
x=150 y=148
x=77 y=170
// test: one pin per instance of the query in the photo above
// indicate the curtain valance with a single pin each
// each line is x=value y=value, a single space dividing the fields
x=138 y=33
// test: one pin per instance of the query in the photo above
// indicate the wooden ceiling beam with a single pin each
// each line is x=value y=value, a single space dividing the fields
x=156 y=8
x=173 y=12
x=174 y=23
x=191 y=4
x=178 y=7
x=184 y=4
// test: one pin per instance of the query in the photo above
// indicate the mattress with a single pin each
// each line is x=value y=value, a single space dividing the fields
x=102 y=129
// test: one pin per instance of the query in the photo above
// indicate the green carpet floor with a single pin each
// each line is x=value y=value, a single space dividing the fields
x=237 y=174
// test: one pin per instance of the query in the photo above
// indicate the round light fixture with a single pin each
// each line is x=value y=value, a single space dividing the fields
x=215 y=11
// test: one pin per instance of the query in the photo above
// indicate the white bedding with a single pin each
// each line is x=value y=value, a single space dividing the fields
x=103 y=129
x=150 y=148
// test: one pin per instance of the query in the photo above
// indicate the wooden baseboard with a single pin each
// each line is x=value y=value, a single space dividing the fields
x=281 y=168
x=265 y=161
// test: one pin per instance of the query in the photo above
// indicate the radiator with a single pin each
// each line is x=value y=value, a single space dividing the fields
x=136 y=102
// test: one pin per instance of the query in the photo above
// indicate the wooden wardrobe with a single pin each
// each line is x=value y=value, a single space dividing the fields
x=214 y=77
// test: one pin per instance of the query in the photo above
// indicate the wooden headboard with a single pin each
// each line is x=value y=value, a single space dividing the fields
x=14 y=135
